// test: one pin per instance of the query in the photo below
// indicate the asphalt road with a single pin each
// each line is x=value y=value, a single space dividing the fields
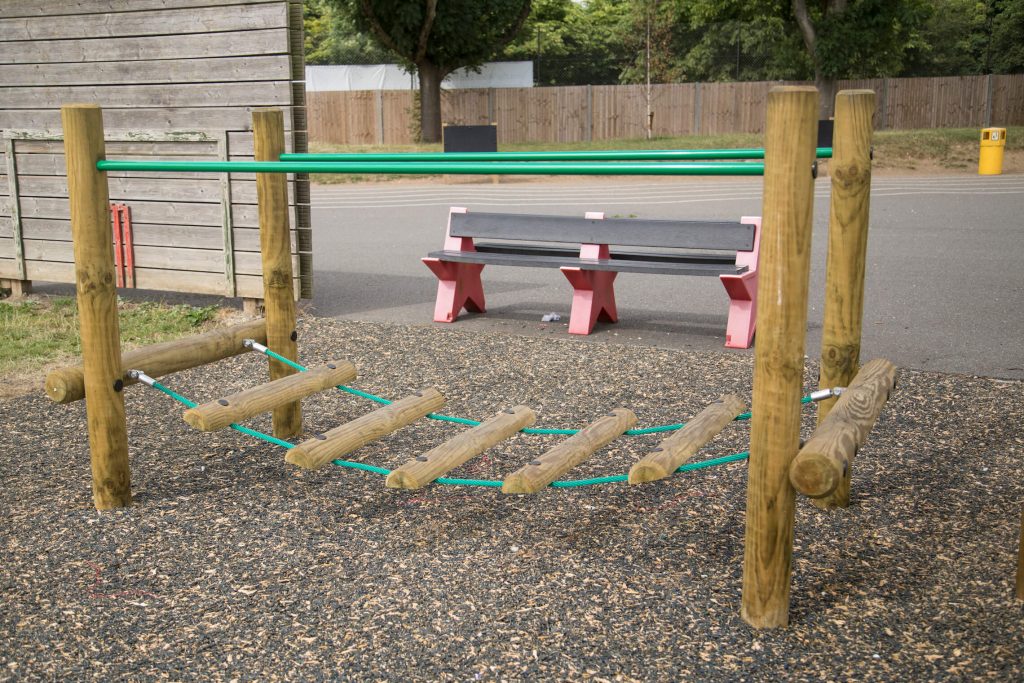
x=944 y=289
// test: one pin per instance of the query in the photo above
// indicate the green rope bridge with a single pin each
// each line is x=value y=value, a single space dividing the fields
x=489 y=483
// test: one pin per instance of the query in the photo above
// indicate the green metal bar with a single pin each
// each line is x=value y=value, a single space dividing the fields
x=438 y=168
x=583 y=155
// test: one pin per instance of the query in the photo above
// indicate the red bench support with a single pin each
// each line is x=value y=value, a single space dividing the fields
x=458 y=284
x=742 y=291
x=593 y=292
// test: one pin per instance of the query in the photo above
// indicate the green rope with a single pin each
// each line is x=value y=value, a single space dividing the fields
x=489 y=483
x=473 y=423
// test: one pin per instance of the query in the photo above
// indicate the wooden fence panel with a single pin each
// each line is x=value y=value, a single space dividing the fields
x=177 y=79
x=398 y=116
x=1008 y=100
x=578 y=113
x=468 y=107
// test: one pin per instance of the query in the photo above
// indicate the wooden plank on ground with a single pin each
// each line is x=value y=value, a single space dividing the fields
x=342 y=440
x=543 y=470
x=468 y=444
x=684 y=443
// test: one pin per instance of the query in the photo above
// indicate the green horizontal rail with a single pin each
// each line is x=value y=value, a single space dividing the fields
x=584 y=155
x=437 y=167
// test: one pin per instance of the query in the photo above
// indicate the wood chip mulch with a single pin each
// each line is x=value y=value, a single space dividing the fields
x=233 y=565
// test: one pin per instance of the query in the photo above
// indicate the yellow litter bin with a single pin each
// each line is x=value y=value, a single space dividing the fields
x=990 y=158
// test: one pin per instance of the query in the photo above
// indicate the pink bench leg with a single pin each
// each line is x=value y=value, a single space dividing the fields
x=458 y=287
x=742 y=291
x=593 y=298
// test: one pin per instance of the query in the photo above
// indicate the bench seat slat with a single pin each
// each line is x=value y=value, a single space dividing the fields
x=613 y=264
x=540 y=250
x=635 y=232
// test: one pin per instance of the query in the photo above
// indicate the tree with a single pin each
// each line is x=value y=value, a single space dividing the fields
x=331 y=37
x=1006 y=49
x=857 y=39
x=436 y=38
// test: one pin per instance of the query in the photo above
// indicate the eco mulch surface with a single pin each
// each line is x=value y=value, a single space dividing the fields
x=232 y=564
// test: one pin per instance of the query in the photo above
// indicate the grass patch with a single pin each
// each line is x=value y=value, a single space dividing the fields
x=953 y=148
x=39 y=331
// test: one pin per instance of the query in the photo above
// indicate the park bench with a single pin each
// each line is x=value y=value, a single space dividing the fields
x=587 y=251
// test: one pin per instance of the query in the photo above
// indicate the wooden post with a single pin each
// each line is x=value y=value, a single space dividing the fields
x=97 y=305
x=824 y=461
x=343 y=439
x=571 y=452
x=790 y=138
x=240 y=406
x=684 y=444
x=437 y=462
x=276 y=249
x=847 y=255
x=66 y=385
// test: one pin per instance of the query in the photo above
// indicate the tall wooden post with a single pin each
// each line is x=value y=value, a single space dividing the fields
x=97 y=305
x=779 y=354
x=850 y=169
x=276 y=249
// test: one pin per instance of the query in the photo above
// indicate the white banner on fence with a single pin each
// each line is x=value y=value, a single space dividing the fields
x=394 y=77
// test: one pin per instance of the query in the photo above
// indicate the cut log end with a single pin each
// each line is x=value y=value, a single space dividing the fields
x=517 y=483
x=195 y=420
x=815 y=475
x=298 y=457
x=643 y=472
x=59 y=390
x=399 y=479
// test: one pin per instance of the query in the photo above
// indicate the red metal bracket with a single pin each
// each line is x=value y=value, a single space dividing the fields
x=124 y=249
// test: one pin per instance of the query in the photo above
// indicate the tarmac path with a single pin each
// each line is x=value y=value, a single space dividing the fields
x=944 y=288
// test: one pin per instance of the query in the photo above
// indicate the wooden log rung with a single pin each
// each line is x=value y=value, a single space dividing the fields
x=684 y=443
x=569 y=453
x=343 y=439
x=824 y=459
x=439 y=461
x=241 y=406
x=66 y=385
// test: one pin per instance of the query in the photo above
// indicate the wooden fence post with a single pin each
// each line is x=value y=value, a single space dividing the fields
x=97 y=305
x=276 y=250
x=790 y=138
x=850 y=170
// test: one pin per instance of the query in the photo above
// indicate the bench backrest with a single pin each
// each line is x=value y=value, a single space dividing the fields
x=633 y=232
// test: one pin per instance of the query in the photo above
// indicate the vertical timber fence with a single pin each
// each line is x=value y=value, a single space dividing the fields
x=603 y=112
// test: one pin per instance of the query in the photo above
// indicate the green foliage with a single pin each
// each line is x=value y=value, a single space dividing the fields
x=870 y=38
x=332 y=38
x=572 y=43
x=1006 y=50
x=463 y=33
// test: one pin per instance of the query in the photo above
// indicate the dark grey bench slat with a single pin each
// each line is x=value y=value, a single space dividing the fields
x=539 y=250
x=636 y=232
x=619 y=265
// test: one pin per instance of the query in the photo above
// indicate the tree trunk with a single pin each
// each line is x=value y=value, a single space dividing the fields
x=430 y=102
